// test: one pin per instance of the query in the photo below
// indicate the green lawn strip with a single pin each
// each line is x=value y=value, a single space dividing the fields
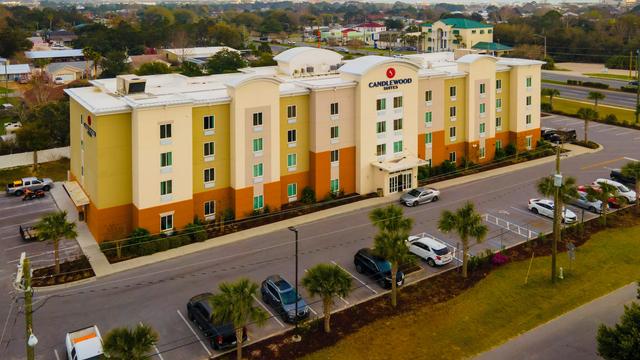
x=610 y=76
x=4 y=90
x=56 y=170
x=500 y=306
x=572 y=106
x=557 y=82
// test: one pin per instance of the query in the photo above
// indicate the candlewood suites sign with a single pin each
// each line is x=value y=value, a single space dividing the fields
x=391 y=83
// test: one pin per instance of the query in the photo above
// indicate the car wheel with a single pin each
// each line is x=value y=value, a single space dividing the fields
x=435 y=198
x=46 y=188
x=381 y=283
x=359 y=268
x=430 y=262
x=18 y=193
x=415 y=203
x=593 y=209
x=534 y=210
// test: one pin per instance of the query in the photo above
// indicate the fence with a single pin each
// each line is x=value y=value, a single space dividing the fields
x=26 y=158
x=514 y=228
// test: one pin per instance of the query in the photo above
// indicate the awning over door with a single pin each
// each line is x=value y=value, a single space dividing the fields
x=76 y=193
x=403 y=163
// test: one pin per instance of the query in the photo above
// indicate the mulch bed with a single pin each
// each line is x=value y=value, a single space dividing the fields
x=70 y=271
x=429 y=291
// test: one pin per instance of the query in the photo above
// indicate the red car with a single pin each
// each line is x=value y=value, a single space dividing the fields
x=613 y=202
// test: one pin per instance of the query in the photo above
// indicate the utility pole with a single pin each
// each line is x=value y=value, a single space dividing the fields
x=23 y=284
x=557 y=207
x=638 y=84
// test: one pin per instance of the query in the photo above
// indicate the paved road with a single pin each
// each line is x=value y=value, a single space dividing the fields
x=548 y=75
x=570 y=336
x=615 y=98
x=157 y=294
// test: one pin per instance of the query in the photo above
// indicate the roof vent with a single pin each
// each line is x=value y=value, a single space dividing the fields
x=129 y=84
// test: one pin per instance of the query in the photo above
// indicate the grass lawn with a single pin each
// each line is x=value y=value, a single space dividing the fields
x=56 y=170
x=572 y=106
x=4 y=90
x=500 y=306
x=610 y=76
x=558 y=82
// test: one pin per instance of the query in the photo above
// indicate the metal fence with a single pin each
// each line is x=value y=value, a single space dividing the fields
x=514 y=228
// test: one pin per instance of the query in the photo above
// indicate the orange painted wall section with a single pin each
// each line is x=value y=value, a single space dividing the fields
x=518 y=139
x=320 y=173
x=301 y=179
x=459 y=148
x=111 y=223
x=150 y=218
x=347 y=170
x=438 y=150
x=222 y=197
x=422 y=153
x=271 y=195
x=242 y=202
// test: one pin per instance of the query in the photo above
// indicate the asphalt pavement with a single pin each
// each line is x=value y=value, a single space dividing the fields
x=157 y=294
x=558 y=76
x=616 y=98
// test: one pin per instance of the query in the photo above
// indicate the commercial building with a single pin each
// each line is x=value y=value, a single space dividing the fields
x=457 y=33
x=155 y=151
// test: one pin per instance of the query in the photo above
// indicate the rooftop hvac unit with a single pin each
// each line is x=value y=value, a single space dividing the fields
x=130 y=84
x=309 y=69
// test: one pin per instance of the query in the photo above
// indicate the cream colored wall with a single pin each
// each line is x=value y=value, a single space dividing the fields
x=146 y=154
x=504 y=94
x=220 y=137
x=75 y=128
x=518 y=93
x=268 y=145
x=436 y=85
x=301 y=125
x=470 y=39
x=461 y=109
x=321 y=123
x=481 y=71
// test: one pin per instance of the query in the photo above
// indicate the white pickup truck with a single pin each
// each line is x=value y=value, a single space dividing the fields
x=18 y=187
x=84 y=344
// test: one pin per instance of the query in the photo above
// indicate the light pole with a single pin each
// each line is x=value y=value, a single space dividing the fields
x=638 y=84
x=293 y=228
x=545 y=43
x=557 y=207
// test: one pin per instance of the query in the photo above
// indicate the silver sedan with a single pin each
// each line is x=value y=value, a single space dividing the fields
x=420 y=196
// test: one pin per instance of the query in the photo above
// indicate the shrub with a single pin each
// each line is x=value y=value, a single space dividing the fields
x=500 y=154
x=596 y=85
x=550 y=63
x=423 y=172
x=629 y=89
x=510 y=150
x=447 y=167
x=196 y=232
x=137 y=237
x=228 y=215
x=179 y=240
x=149 y=247
x=466 y=163
x=163 y=244
x=308 y=195
x=499 y=259
x=546 y=107
x=108 y=248
x=611 y=119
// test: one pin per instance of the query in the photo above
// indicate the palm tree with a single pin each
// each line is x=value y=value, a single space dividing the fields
x=234 y=305
x=595 y=96
x=126 y=344
x=603 y=193
x=550 y=93
x=327 y=281
x=55 y=227
x=568 y=190
x=587 y=114
x=632 y=170
x=392 y=246
x=390 y=218
x=466 y=222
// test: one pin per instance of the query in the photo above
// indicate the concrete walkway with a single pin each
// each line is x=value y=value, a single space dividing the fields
x=102 y=267
x=570 y=336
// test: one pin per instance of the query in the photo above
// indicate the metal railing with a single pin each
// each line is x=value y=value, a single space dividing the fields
x=514 y=228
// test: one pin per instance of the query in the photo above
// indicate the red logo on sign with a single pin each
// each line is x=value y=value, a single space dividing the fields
x=89 y=120
x=391 y=72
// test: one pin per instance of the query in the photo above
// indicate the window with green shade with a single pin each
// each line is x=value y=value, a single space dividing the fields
x=381 y=149
x=529 y=82
x=166 y=159
x=397 y=102
x=499 y=103
x=334 y=185
x=428 y=95
x=292 y=160
x=397 y=146
x=292 y=190
x=166 y=187
x=482 y=108
x=428 y=118
x=257 y=170
x=209 y=148
x=335 y=132
x=498 y=144
x=258 y=202
x=452 y=91
x=381 y=104
x=257 y=145
x=482 y=128
x=397 y=124
x=428 y=138
x=483 y=88
x=209 y=122
x=381 y=127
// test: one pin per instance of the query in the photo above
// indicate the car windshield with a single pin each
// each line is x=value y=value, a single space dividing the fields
x=289 y=297
x=414 y=192
x=623 y=188
x=443 y=251
x=384 y=266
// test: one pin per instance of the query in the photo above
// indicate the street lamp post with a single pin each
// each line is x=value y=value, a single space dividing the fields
x=638 y=84
x=295 y=230
x=557 y=207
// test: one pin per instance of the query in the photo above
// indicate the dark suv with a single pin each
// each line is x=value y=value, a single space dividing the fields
x=376 y=268
x=219 y=336
x=558 y=135
x=617 y=175
x=282 y=297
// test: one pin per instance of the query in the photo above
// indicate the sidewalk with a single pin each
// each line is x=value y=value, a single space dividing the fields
x=102 y=267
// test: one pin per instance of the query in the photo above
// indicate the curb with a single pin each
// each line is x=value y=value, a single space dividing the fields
x=44 y=289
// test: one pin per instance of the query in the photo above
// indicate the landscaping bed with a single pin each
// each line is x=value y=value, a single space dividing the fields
x=431 y=294
x=70 y=271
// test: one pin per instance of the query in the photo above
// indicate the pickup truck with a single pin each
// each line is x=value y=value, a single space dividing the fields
x=28 y=233
x=18 y=187
x=84 y=344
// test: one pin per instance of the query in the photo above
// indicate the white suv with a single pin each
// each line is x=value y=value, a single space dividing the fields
x=623 y=191
x=431 y=250
x=544 y=207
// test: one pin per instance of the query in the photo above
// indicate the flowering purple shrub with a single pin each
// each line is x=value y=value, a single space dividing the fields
x=499 y=259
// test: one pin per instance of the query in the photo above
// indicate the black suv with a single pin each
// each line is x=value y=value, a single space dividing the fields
x=558 y=135
x=220 y=336
x=616 y=175
x=282 y=297
x=376 y=268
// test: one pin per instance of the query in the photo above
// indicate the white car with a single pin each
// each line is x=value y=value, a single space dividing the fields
x=544 y=207
x=434 y=252
x=623 y=191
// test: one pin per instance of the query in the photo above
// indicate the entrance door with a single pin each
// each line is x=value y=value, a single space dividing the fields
x=399 y=182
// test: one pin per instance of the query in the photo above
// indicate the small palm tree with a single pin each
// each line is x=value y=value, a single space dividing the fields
x=595 y=96
x=127 y=344
x=234 y=304
x=466 y=222
x=568 y=190
x=603 y=193
x=392 y=246
x=327 y=281
x=550 y=93
x=390 y=218
x=632 y=170
x=587 y=114
x=55 y=227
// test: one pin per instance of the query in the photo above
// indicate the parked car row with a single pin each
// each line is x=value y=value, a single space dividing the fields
x=558 y=135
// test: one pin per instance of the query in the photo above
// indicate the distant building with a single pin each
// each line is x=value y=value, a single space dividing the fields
x=62 y=37
x=370 y=27
x=455 y=33
x=15 y=72
x=56 y=55
x=139 y=60
x=69 y=71
x=197 y=55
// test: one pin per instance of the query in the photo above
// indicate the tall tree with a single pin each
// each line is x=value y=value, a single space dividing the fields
x=12 y=41
x=632 y=170
x=622 y=341
x=55 y=227
x=234 y=304
x=551 y=93
x=588 y=115
x=115 y=63
x=225 y=61
x=327 y=281
x=391 y=219
x=130 y=344
x=467 y=223
x=33 y=137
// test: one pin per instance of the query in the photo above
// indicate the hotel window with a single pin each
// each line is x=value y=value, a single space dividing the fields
x=209 y=175
x=428 y=95
x=483 y=152
x=257 y=145
x=452 y=156
x=209 y=122
x=209 y=148
x=428 y=138
x=482 y=128
x=498 y=123
x=452 y=132
x=291 y=136
x=498 y=103
x=397 y=124
x=482 y=109
x=166 y=159
x=529 y=81
x=381 y=149
x=481 y=31
x=257 y=119
x=334 y=185
x=292 y=160
x=292 y=111
x=528 y=119
x=257 y=170
x=528 y=140
x=397 y=146
x=166 y=187
x=528 y=100
x=452 y=111
x=473 y=31
x=209 y=209
x=258 y=202
x=165 y=131
x=292 y=190
x=335 y=132
x=498 y=84
x=381 y=104
x=166 y=222
x=498 y=144
x=483 y=89
x=428 y=118
x=397 y=102
x=452 y=91
x=334 y=109
x=335 y=156
x=381 y=127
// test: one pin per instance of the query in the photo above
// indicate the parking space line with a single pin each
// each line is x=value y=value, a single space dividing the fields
x=268 y=311
x=194 y=333
x=602 y=163
x=624 y=133
x=353 y=276
x=313 y=311
x=630 y=159
x=595 y=125
x=55 y=352
x=531 y=214
x=155 y=347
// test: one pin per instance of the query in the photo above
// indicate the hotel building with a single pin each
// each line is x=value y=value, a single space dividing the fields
x=157 y=151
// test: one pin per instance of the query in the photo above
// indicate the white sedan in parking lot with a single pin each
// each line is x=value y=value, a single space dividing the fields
x=623 y=191
x=434 y=252
x=544 y=207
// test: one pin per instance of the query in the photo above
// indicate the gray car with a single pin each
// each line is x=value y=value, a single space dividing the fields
x=582 y=201
x=282 y=297
x=419 y=196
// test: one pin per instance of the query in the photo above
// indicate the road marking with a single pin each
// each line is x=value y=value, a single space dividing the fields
x=594 y=125
x=602 y=163
x=353 y=276
x=155 y=347
x=194 y=333
x=606 y=129
x=55 y=352
x=630 y=159
x=624 y=133
x=268 y=311
x=532 y=214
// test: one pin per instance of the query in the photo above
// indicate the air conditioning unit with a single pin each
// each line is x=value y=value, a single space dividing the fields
x=130 y=84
